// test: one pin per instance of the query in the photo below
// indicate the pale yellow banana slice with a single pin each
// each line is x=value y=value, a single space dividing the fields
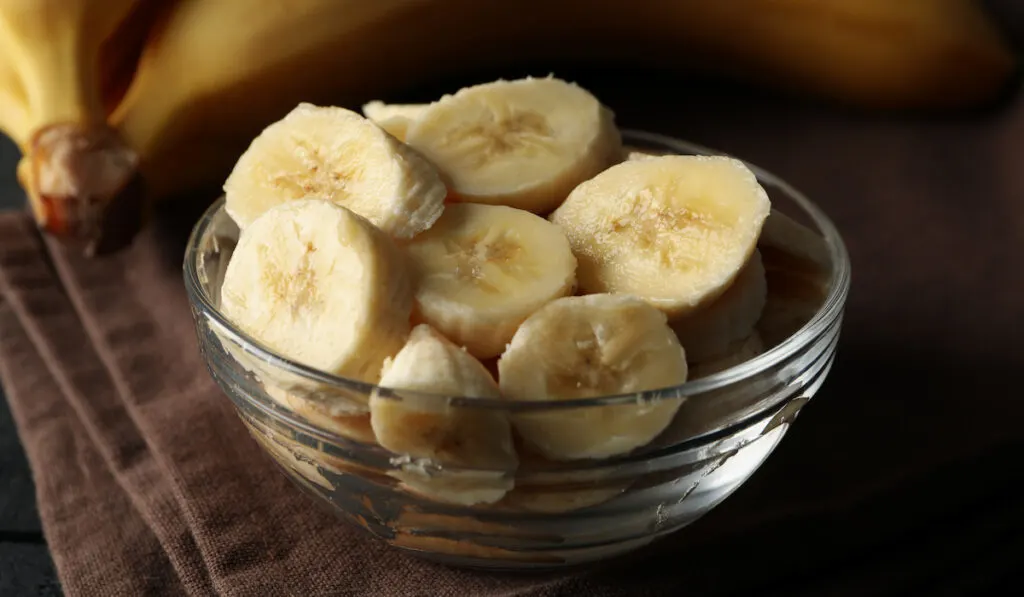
x=394 y=118
x=483 y=269
x=740 y=352
x=630 y=153
x=339 y=155
x=711 y=330
x=320 y=285
x=672 y=230
x=525 y=143
x=351 y=421
x=429 y=428
x=590 y=346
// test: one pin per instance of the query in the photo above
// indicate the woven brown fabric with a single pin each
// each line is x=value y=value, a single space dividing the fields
x=900 y=474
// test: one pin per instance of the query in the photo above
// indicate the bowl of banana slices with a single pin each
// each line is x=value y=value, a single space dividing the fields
x=497 y=330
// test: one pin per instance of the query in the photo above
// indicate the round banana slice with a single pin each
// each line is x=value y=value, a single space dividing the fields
x=710 y=331
x=394 y=118
x=525 y=143
x=428 y=428
x=319 y=285
x=483 y=269
x=590 y=346
x=738 y=353
x=339 y=155
x=672 y=230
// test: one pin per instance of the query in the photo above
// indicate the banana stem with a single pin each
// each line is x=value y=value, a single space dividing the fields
x=79 y=175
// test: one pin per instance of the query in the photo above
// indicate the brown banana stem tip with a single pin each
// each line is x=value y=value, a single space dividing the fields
x=85 y=186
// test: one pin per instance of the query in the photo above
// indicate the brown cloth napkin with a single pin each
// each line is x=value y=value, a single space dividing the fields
x=903 y=474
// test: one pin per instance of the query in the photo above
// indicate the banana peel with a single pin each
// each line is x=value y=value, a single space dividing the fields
x=116 y=103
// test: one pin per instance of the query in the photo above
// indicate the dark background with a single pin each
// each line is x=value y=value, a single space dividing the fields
x=938 y=509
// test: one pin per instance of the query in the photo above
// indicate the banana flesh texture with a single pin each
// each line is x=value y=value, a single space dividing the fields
x=394 y=118
x=670 y=257
x=335 y=153
x=673 y=230
x=590 y=346
x=281 y=288
x=426 y=428
x=483 y=269
x=525 y=143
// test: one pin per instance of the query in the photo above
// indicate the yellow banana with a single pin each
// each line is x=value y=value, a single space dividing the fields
x=213 y=73
x=14 y=115
x=73 y=164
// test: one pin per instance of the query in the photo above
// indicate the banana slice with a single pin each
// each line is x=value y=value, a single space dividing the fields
x=339 y=155
x=589 y=346
x=426 y=428
x=630 y=153
x=319 y=285
x=347 y=420
x=525 y=143
x=740 y=352
x=672 y=230
x=710 y=331
x=483 y=269
x=394 y=118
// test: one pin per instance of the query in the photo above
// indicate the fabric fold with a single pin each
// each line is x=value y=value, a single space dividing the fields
x=34 y=296
x=100 y=543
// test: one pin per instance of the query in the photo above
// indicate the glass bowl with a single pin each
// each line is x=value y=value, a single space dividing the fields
x=316 y=427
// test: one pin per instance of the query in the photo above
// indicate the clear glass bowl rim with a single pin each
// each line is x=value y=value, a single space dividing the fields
x=831 y=309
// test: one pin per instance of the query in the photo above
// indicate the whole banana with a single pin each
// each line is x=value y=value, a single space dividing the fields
x=213 y=73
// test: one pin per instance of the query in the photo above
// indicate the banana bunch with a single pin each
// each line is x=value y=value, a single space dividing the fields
x=114 y=102
x=509 y=225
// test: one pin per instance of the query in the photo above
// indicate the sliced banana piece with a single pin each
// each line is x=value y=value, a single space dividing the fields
x=590 y=346
x=483 y=269
x=428 y=428
x=672 y=230
x=394 y=118
x=739 y=352
x=319 y=285
x=711 y=330
x=630 y=153
x=339 y=155
x=346 y=418
x=525 y=143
